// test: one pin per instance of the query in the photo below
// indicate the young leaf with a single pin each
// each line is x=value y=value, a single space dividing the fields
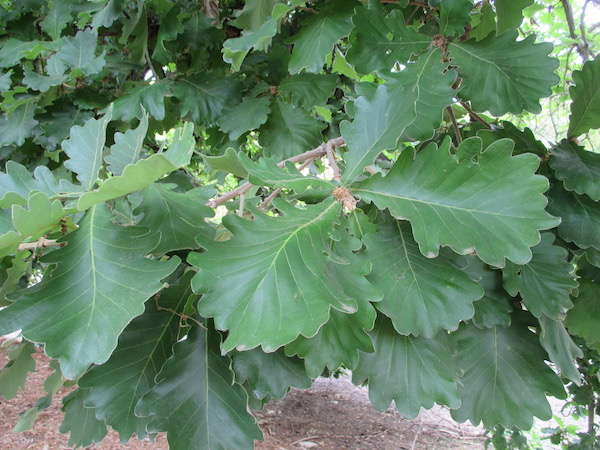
x=100 y=283
x=269 y=374
x=458 y=195
x=319 y=33
x=414 y=372
x=545 y=282
x=494 y=78
x=253 y=286
x=40 y=217
x=143 y=348
x=14 y=374
x=195 y=399
x=420 y=295
x=577 y=168
x=84 y=149
x=505 y=377
x=585 y=109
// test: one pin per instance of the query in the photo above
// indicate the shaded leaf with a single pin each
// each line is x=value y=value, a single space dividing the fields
x=254 y=14
x=319 y=33
x=79 y=52
x=308 y=89
x=59 y=15
x=254 y=287
x=80 y=421
x=494 y=77
x=524 y=140
x=55 y=69
x=505 y=377
x=585 y=112
x=545 y=282
x=248 y=115
x=127 y=147
x=14 y=374
x=170 y=28
x=177 y=217
x=414 y=372
x=510 y=13
x=107 y=15
x=229 y=162
x=40 y=217
x=577 y=168
x=142 y=98
x=420 y=295
x=454 y=16
x=378 y=42
x=289 y=131
x=195 y=400
x=100 y=283
x=483 y=194
x=560 y=347
x=116 y=386
x=84 y=149
x=236 y=49
x=13 y=50
x=269 y=374
x=17 y=127
x=582 y=320
x=494 y=307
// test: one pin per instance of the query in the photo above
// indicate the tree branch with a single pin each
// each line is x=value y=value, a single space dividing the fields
x=41 y=243
x=455 y=125
x=150 y=66
x=315 y=153
x=475 y=116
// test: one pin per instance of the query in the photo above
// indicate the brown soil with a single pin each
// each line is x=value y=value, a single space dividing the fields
x=333 y=414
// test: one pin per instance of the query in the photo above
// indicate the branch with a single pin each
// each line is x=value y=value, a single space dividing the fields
x=475 y=116
x=318 y=152
x=150 y=66
x=40 y=244
x=455 y=125
x=276 y=192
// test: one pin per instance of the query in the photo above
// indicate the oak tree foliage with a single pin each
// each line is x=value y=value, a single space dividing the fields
x=204 y=204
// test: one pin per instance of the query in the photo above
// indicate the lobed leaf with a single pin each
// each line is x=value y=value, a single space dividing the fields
x=577 y=168
x=582 y=319
x=585 y=112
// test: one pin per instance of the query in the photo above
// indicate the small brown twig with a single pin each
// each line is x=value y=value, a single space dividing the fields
x=475 y=116
x=180 y=315
x=41 y=243
x=277 y=191
x=455 y=125
x=241 y=207
x=337 y=176
x=150 y=66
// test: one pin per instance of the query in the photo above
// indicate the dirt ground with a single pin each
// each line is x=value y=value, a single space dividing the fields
x=333 y=414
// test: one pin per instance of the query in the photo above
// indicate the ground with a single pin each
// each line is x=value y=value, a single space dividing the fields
x=333 y=414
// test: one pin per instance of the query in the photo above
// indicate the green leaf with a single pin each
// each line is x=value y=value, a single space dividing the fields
x=6 y=81
x=248 y=115
x=143 y=173
x=544 y=283
x=40 y=217
x=266 y=172
x=420 y=295
x=577 y=168
x=378 y=42
x=59 y=15
x=177 y=217
x=127 y=147
x=56 y=75
x=170 y=28
x=289 y=131
x=454 y=16
x=487 y=22
x=414 y=372
x=12 y=269
x=228 y=162
x=378 y=124
x=427 y=89
x=309 y=89
x=85 y=147
x=143 y=348
x=510 y=13
x=585 y=112
x=582 y=320
x=560 y=347
x=524 y=140
x=79 y=52
x=17 y=127
x=253 y=286
x=17 y=184
x=505 y=377
x=55 y=126
x=494 y=78
x=319 y=33
x=236 y=49
x=141 y=98
x=580 y=217
x=100 y=283
x=495 y=306
x=81 y=421
x=195 y=399
x=14 y=374
x=254 y=14
x=483 y=194
x=269 y=373
x=204 y=96
x=13 y=50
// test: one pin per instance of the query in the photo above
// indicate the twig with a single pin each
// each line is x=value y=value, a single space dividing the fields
x=150 y=66
x=277 y=191
x=180 y=315
x=475 y=116
x=318 y=152
x=40 y=244
x=586 y=44
x=455 y=125
x=337 y=176
x=241 y=207
x=306 y=439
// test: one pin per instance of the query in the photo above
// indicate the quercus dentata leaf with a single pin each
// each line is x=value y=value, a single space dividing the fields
x=100 y=283
x=582 y=319
x=14 y=374
x=420 y=295
x=257 y=276
x=248 y=115
x=577 y=168
x=585 y=112
x=17 y=127
x=236 y=49
x=195 y=399
x=80 y=421
x=461 y=195
x=114 y=388
x=141 y=98
x=510 y=13
x=79 y=52
x=454 y=16
x=501 y=367
x=308 y=89
x=545 y=282
x=59 y=15
x=127 y=147
x=494 y=307
x=561 y=349
x=413 y=371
